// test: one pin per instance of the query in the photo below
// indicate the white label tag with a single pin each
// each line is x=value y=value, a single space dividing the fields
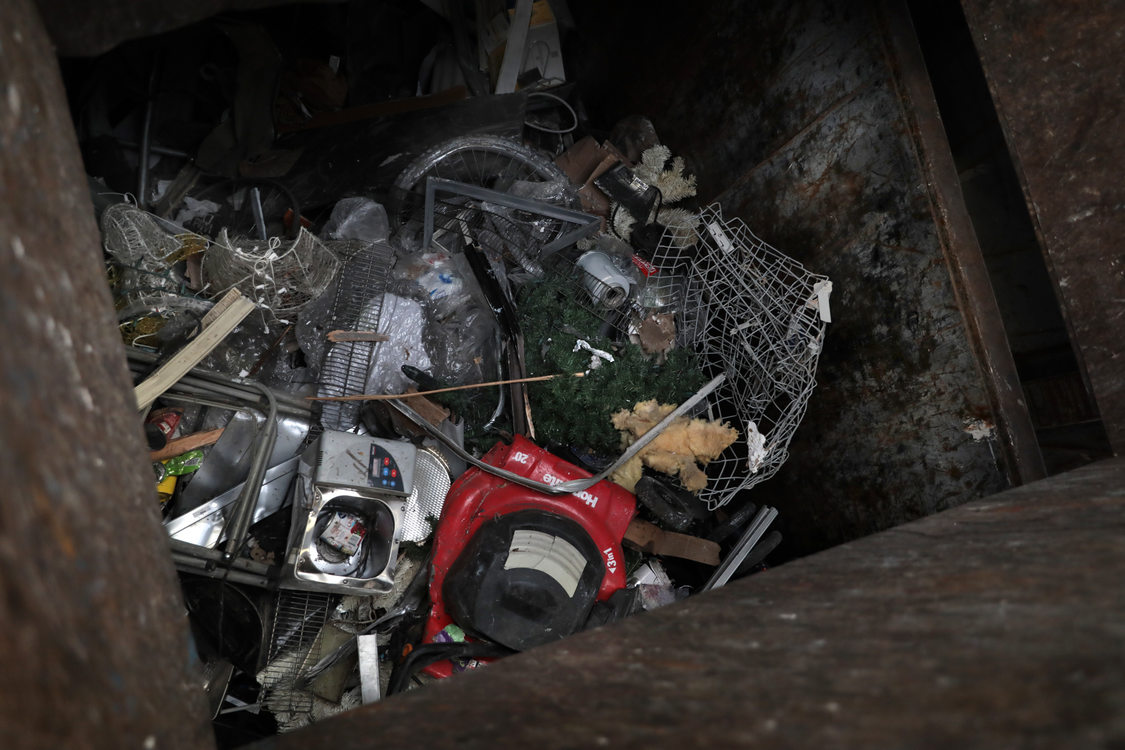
x=720 y=237
x=345 y=532
x=822 y=290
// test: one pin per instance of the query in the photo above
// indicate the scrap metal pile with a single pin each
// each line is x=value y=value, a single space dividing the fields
x=486 y=382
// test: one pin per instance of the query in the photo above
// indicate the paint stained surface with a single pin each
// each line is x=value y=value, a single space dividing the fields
x=791 y=117
x=956 y=629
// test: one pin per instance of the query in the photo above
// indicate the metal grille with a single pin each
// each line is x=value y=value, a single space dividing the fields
x=752 y=313
x=298 y=619
x=356 y=306
x=423 y=507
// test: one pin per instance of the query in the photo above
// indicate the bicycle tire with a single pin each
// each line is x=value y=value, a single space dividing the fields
x=486 y=161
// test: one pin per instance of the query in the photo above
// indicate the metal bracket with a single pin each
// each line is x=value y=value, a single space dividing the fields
x=587 y=223
x=750 y=538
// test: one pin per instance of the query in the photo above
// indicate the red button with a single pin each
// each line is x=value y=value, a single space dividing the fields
x=386 y=461
x=394 y=472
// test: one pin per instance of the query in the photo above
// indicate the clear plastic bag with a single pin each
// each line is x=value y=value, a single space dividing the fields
x=465 y=347
x=442 y=278
x=358 y=219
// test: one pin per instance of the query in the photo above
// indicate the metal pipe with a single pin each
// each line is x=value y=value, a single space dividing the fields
x=188 y=563
x=204 y=390
x=587 y=224
x=248 y=498
x=146 y=137
x=749 y=540
x=256 y=209
x=223 y=385
x=154 y=149
x=574 y=485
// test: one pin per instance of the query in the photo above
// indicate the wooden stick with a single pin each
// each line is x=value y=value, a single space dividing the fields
x=395 y=396
x=217 y=325
x=185 y=444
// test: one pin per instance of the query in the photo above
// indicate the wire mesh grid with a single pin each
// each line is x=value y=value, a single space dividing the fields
x=513 y=234
x=298 y=619
x=750 y=312
x=145 y=252
x=356 y=306
x=746 y=309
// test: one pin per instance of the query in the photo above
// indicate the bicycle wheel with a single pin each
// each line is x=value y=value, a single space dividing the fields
x=487 y=161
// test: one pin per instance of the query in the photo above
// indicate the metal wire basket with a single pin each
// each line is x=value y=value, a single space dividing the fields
x=758 y=316
x=356 y=305
x=281 y=276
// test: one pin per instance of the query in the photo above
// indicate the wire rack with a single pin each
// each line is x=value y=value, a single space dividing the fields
x=752 y=313
x=298 y=619
x=356 y=306
x=280 y=276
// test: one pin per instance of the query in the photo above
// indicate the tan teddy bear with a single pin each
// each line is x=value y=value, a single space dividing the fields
x=678 y=451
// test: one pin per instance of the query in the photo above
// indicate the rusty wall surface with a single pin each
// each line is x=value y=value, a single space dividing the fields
x=94 y=644
x=791 y=116
x=995 y=624
x=973 y=288
x=1055 y=72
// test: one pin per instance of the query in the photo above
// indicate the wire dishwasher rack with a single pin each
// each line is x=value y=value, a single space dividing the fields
x=758 y=316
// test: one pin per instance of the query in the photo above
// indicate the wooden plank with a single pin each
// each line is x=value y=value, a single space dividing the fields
x=233 y=309
x=656 y=541
x=378 y=109
x=186 y=443
x=1055 y=78
x=96 y=647
x=972 y=288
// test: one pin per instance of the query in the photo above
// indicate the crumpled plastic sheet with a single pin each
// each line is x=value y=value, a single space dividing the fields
x=358 y=219
x=404 y=321
x=441 y=278
x=465 y=348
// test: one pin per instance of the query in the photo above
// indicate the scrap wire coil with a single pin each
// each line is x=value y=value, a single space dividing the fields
x=144 y=253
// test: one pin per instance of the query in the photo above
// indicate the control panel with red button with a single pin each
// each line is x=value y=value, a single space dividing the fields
x=365 y=464
x=384 y=473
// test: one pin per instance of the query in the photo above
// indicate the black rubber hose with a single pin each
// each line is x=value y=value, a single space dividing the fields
x=430 y=653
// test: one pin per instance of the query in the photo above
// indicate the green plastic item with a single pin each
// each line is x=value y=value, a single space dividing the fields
x=184 y=463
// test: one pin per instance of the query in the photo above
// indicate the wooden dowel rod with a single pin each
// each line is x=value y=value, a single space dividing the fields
x=394 y=396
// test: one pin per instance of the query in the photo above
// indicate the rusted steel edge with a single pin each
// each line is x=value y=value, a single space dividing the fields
x=1019 y=446
x=1001 y=94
